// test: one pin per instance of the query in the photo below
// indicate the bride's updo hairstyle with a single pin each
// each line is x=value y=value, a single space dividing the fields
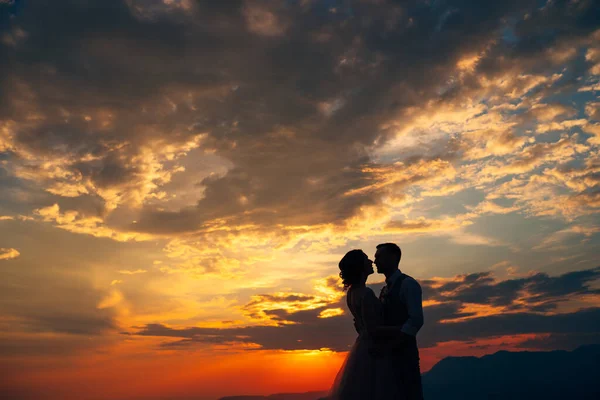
x=351 y=267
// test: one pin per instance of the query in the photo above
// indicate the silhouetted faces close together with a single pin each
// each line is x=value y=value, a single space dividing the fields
x=355 y=266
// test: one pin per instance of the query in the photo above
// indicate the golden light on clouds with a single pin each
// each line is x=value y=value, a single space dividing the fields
x=111 y=300
x=178 y=185
x=7 y=254
x=331 y=312
x=127 y=272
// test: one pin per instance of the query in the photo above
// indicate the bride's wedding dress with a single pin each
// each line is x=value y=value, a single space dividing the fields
x=362 y=375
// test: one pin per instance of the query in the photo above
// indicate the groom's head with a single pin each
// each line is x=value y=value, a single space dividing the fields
x=387 y=257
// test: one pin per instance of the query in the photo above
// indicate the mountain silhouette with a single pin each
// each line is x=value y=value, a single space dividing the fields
x=280 y=396
x=517 y=375
x=548 y=375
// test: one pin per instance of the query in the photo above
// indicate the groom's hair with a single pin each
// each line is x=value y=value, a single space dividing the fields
x=393 y=249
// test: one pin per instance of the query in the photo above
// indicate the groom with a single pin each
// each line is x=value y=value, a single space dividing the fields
x=403 y=317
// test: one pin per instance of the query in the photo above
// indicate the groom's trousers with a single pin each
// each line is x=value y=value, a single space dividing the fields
x=409 y=370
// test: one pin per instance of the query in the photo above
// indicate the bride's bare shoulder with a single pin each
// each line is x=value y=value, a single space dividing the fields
x=359 y=292
x=365 y=290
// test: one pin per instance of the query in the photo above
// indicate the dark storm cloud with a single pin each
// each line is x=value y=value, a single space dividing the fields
x=551 y=36
x=446 y=312
x=562 y=341
x=584 y=321
x=287 y=100
x=480 y=288
x=443 y=321
x=554 y=22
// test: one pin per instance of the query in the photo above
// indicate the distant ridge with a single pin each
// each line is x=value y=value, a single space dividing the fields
x=526 y=375
x=549 y=375
x=280 y=396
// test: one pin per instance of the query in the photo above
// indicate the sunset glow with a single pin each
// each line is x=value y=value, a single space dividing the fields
x=180 y=178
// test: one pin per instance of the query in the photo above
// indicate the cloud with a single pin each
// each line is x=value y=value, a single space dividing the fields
x=561 y=341
x=512 y=324
x=110 y=300
x=61 y=305
x=491 y=207
x=465 y=307
x=551 y=112
x=74 y=221
x=536 y=155
x=307 y=334
x=454 y=228
x=564 y=190
x=294 y=336
x=353 y=100
x=592 y=56
x=127 y=272
x=279 y=308
x=557 y=239
x=8 y=254
x=311 y=130
x=421 y=225
x=243 y=137
x=76 y=325
x=261 y=21
x=560 y=126
x=153 y=9
x=592 y=110
x=538 y=291
x=594 y=130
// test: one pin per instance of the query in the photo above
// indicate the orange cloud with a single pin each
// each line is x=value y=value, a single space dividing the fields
x=272 y=309
x=331 y=312
x=560 y=126
x=137 y=271
x=73 y=221
x=550 y=112
x=8 y=254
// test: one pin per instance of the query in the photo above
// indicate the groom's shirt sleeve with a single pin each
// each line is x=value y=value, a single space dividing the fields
x=414 y=303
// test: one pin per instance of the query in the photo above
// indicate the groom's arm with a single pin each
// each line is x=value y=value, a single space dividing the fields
x=414 y=304
x=398 y=335
x=412 y=293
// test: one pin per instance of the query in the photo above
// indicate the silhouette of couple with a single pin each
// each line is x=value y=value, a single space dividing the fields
x=384 y=361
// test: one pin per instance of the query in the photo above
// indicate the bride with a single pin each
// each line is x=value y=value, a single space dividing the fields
x=365 y=373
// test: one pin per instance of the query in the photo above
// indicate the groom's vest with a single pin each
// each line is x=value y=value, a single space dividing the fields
x=395 y=312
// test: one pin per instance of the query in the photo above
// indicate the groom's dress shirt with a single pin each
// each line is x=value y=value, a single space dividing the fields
x=410 y=292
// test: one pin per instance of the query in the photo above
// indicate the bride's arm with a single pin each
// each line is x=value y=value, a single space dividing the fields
x=371 y=311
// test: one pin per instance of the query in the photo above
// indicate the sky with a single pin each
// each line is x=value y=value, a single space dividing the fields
x=179 y=180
